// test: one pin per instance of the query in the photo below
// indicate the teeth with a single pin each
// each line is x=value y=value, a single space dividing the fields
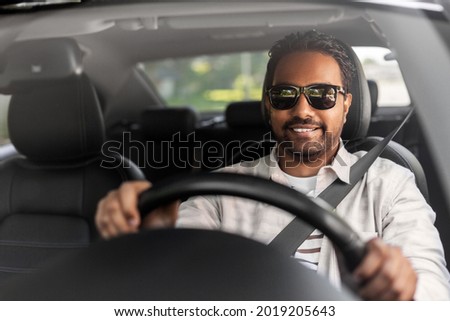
x=302 y=130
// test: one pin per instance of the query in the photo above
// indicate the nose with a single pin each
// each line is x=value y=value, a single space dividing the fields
x=302 y=108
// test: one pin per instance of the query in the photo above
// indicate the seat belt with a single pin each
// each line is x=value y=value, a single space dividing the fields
x=297 y=231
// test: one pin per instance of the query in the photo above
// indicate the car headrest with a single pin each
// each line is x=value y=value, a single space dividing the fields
x=358 y=117
x=373 y=89
x=163 y=123
x=60 y=121
x=54 y=113
x=244 y=114
x=26 y=62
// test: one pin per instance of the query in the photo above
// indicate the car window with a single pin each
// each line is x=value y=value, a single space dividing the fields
x=210 y=83
x=4 y=103
x=380 y=65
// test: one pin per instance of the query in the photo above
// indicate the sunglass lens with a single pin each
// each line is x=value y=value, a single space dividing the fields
x=322 y=97
x=283 y=97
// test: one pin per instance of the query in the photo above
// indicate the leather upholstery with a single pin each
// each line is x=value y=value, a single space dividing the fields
x=69 y=108
x=358 y=117
x=49 y=193
x=398 y=154
x=164 y=145
x=244 y=114
x=373 y=89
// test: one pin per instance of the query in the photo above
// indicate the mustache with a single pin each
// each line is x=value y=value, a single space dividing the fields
x=301 y=121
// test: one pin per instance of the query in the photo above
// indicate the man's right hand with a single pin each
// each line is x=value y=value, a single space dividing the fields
x=117 y=212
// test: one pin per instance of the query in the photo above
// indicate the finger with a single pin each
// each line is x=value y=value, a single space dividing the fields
x=403 y=285
x=128 y=197
x=399 y=289
x=409 y=288
x=395 y=280
x=102 y=220
x=372 y=261
x=108 y=216
x=382 y=284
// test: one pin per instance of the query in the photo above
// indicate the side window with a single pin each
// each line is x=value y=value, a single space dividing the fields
x=380 y=65
x=4 y=104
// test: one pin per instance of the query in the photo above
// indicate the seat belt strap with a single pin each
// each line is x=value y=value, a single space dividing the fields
x=297 y=231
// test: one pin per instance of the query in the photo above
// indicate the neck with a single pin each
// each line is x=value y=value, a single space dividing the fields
x=296 y=165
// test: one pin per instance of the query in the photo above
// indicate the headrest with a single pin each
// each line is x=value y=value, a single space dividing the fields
x=244 y=114
x=33 y=60
x=358 y=117
x=60 y=121
x=373 y=89
x=54 y=113
x=162 y=124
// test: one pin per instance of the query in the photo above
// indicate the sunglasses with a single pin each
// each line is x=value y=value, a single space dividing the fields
x=319 y=96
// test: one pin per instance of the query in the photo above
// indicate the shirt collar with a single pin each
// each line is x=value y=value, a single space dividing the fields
x=341 y=164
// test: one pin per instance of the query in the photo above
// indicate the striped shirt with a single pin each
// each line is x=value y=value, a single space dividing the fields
x=309 y=251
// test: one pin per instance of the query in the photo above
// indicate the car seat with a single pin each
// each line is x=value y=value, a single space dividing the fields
x=162 y=143
x=49 y=192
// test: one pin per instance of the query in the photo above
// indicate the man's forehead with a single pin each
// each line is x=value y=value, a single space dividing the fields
x=308 y=67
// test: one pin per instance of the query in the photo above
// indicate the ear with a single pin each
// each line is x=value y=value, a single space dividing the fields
x=347 y=104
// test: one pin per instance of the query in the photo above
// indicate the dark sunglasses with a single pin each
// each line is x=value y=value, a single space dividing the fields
x=319 y=96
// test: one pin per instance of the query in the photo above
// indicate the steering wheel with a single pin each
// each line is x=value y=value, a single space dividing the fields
x=314 y=212
x=193 y=264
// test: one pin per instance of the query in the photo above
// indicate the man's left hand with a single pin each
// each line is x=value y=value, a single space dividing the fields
x=385 y=273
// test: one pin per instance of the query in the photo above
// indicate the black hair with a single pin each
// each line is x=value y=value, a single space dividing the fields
x=312 y=41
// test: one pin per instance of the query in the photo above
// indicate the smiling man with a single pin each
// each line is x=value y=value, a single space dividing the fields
x=306 y=101
x=308 y=109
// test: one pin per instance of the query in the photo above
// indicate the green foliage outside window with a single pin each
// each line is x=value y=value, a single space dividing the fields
x=209 y=82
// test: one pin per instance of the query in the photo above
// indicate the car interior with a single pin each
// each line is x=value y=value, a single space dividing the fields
x=51 y=190
x=83 y=117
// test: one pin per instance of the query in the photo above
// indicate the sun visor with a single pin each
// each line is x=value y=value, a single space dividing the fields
x=34 y=61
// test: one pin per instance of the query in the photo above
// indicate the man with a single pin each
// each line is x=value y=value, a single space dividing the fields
x=307 y=100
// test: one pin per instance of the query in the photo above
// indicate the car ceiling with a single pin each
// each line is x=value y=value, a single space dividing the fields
x=213 y=27
x=115 y=38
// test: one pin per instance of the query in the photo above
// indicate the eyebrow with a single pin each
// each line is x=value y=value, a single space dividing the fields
x=308 y=85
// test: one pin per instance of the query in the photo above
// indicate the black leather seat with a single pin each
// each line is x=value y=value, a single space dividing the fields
x=373 y=89
x=162 y=143
x=49 y=193
x=239 y=135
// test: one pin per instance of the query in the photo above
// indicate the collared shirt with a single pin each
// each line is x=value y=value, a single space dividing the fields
x=385 y=203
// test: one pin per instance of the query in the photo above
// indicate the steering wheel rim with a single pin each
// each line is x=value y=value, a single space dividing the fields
x=177 y=264
x=315 y=212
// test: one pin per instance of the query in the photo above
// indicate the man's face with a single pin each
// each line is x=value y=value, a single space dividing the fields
x=304 y=132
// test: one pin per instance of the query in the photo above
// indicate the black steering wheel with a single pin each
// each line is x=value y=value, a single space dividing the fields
x=314 y=212
x=193 y=264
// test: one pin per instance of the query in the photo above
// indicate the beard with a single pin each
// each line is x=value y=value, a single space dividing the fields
x=306 y=150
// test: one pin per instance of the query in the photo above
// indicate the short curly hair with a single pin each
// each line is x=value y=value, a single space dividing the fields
x=311 y=41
